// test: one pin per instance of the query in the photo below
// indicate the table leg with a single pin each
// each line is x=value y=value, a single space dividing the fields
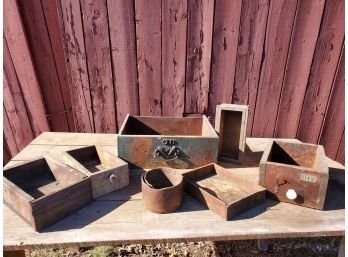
x=16 y=253
x=341 y=250
x=262 y=244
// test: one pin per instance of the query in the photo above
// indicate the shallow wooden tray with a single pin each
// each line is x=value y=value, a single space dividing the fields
x=222 y=191
x=182 y=143
x=44 y=191
x=107 y=172
x=295 y=166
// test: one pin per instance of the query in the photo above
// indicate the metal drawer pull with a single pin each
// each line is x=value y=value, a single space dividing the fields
x=168 y=150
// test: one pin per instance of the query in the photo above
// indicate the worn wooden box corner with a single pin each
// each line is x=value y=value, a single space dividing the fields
x=295 y=173
x=44 y=191
x=222 y=191
x=107 y=172
x=231 y=123
x=181 y=143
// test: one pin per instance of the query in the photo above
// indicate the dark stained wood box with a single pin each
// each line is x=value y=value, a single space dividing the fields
x=222 y=191
x=295 y=173
x=107 y=172
x=152 y=142
x=44 y=191
x=231 y=123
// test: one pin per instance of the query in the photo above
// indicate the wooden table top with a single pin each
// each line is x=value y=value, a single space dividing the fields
x=119 y=217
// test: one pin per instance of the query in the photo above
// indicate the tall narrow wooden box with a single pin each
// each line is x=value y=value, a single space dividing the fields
x=295 y=173
x=222 y=191
x=231 y=123
x=43 y=191
x=107 y=172
x=151 y=142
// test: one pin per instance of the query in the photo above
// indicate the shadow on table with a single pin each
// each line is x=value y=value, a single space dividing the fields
x=334 y=197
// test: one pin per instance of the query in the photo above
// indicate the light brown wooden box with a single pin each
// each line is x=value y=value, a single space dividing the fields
x=297 y=166
x=107 y=172
x=44 y=191
x=222 y=191
x=180 y=143
x=231 y=123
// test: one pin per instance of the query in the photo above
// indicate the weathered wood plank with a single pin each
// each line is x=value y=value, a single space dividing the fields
x=14 y=103
x=149 y=60
x=301 y=52
x=41 y=51
x=56 y=36
x=174 y=26
x=333 y=126
x=225 y=38
x=6 y=155
x=23 y=63
x=326 y=57
x=278 y=35
x=9 y=137
x=252 y=32
x=123 y=51
x=198 y=57
x=341 y=150
x=96 y=33
x=75 y=58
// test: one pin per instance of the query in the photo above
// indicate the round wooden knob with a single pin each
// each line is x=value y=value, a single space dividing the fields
x=291 y=194
x=112 y=177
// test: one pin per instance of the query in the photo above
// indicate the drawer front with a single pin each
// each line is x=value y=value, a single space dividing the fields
x=174 y=152
x=306 y=184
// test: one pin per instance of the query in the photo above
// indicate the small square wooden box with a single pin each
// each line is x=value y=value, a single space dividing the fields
x=181 y=143
x=43 y=191
x=231 y=123
x=107 y=172
x=222 y=191
x=295 y=173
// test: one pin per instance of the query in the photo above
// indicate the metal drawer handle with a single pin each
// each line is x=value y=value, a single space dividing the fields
x=112 y=178
x=168 y=150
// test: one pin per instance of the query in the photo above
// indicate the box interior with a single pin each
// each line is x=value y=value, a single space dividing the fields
x=157 y=179
x=92 y=159
x=39 y=177
x=168 y=126
x=293 y=154
x=230 y=129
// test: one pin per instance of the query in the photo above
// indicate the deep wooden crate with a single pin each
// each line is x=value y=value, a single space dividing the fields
x=295 y=166
x=231 y=124
x=107 y=172
x=44 y=191
x=222 y=191
x=151 y=142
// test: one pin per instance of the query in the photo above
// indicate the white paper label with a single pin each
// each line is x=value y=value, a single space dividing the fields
x=308 y=178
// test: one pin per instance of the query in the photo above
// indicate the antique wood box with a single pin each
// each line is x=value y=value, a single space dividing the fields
x=231 y=123
x=151 y=142
x=222 y=191
x=162 y=190
x=107 y=172
x=44 y=191
x=295 y=172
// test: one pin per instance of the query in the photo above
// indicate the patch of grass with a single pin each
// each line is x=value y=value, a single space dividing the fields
x=100 y=251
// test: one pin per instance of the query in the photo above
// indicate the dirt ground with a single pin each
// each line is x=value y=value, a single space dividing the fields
x=300 y=247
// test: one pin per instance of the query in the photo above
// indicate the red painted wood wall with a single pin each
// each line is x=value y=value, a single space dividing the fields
x=82 y=65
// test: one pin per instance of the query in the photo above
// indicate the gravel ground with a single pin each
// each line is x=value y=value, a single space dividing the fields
x=299 y=247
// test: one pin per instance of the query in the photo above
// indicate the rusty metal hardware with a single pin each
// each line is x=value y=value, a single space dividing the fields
x=162 y=190
x=168 y=150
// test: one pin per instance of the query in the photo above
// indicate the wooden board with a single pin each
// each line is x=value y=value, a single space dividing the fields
x=123 y=52
x=119 y=217
x=173 y=51
x=18 y=45
x=8 y=136
x=198 y=54
x=252 y=32
x=304 y=38
x=225 y=38
x=148 y=29
x=323 y=70
x=279 y=28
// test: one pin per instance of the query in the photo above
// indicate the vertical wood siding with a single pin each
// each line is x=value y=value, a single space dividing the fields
x=83 y=65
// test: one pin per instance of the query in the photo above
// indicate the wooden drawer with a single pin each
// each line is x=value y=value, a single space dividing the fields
x=295 y=173
x=44 y=191
x=222 y=191
x=151 y=142
x=107 y=172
